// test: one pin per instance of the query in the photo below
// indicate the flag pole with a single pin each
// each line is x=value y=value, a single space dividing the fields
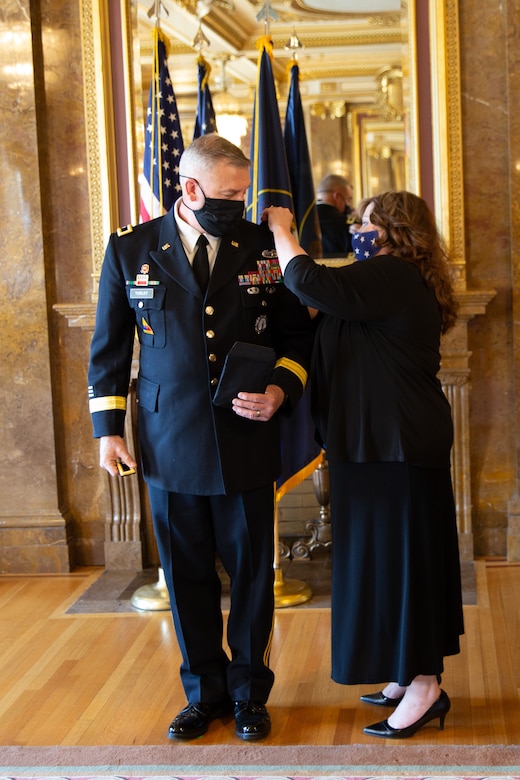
x=287 y=593
x=153 y=597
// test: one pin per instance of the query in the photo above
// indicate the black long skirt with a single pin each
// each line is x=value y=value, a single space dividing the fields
x=396 y=605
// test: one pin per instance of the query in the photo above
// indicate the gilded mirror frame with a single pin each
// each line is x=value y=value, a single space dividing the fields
x=447 y=130
x=443 y=36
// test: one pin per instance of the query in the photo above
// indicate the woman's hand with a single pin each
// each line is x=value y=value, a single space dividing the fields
x=278 y=217
x=280 y=221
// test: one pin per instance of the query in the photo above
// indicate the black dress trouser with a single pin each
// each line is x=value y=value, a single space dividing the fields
x=190 y=532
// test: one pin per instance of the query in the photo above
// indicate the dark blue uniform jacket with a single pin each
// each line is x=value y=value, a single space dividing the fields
x=188 y=444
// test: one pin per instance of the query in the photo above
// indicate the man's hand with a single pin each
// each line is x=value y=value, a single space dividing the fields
x=112 y=449
x=259 y=406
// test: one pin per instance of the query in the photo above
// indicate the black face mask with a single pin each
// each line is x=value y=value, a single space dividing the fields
x=218 y=216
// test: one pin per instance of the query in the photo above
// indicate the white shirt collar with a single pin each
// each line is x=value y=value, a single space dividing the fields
x=190 y=235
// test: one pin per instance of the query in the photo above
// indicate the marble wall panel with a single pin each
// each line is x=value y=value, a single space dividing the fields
x=485 y=109
x=27 y=455
x=69 y=248
x=513 y=84
x=83 y=482
x=62 y=114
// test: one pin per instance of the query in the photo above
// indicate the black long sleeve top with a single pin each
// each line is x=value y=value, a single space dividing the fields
x=376 y=395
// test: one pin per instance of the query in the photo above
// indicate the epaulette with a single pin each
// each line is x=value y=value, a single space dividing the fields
x=123 y=231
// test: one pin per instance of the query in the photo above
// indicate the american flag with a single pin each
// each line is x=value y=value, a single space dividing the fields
x=160 y=185
x=205 y=121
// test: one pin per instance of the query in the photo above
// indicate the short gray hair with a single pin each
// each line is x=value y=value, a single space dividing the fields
x=207 y=150
x=333 y=181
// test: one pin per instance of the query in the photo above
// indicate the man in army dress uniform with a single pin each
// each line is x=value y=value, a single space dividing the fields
x=334 y=198
x=210 y=470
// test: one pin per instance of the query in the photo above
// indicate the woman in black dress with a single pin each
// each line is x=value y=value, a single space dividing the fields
x=386 y=426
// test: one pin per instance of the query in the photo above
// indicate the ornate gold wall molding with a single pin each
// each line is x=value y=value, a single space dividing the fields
x=447 y=130
x=99 y=124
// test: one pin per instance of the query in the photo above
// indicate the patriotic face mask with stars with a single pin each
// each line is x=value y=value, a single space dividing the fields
x=364 y=244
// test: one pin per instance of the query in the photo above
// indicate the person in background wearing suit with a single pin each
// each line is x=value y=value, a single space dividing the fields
x=334 y=198
x=210 y=470
x=386 y=425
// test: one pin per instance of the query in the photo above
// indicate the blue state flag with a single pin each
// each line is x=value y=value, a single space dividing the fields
x=271 y=186
x=301 y=454
x=300 y=170
x=205 y=121
x=160 y=185
x=270 y=182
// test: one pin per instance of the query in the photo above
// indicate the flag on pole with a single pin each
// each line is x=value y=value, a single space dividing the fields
x=300 y=170
x=205 y=121
x=301 y=453
x=163 y=138
x=270 y=183
x=270 y=186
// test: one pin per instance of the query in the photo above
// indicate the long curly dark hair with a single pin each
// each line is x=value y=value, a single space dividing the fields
x=410 y=232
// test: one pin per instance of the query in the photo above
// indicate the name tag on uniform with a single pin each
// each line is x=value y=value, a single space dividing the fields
x=141 y=292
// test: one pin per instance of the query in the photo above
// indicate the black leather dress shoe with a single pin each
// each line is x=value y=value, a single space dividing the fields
x=380 y=699
x=252 y=720
x=193 y=720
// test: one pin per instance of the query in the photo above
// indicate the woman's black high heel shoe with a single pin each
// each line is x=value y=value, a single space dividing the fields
x=380 y=699
x=439 y=709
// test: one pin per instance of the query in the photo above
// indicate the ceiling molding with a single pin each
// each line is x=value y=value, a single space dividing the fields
x=344 y=49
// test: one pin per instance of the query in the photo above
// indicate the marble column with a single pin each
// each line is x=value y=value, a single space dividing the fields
x=490 y=115
x=513 y=86
x=33 y=531
x=455 y=379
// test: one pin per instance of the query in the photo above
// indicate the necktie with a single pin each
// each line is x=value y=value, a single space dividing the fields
x=201 y=264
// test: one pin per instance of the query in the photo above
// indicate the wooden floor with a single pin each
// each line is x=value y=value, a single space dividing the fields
x=69 y=679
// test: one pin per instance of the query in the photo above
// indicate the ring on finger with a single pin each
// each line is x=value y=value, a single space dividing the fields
x=258 y=412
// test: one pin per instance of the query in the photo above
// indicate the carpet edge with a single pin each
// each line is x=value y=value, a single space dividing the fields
x=194 y=757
